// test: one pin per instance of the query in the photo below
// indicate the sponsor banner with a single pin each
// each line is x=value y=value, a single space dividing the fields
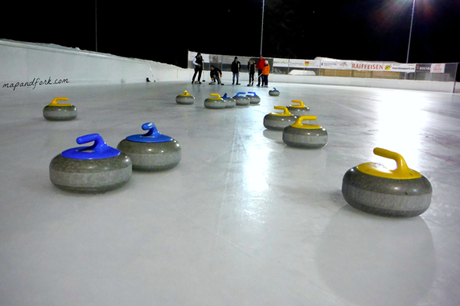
x=438 y=68
x=400 y=67
x=368 y=66
x=300 y=63
x=338 y=65
x=431 y=68
x=380 y=66
x=280 y=62
x=312 y=64
x=423 y=68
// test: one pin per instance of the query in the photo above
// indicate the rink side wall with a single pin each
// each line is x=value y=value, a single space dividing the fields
x=345 y=81
x=31 y=65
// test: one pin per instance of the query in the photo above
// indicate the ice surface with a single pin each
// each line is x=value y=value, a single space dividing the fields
x=243 y=219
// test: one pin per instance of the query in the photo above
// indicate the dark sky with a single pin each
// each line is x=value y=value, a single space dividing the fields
x=164 y=31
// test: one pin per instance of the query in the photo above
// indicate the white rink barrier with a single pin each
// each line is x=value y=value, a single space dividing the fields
x=32 y=65
x=342 y=81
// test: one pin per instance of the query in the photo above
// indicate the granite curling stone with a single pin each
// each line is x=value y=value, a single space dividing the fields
x=298 y=110
x=253 y=98
x=308 y=136
x=241 y=99
x=59 y=112
x=151 y=151
x=375 y=189
x=274 y=92
x=215 y=103
x=94 y=169
x=229 y=101
x=185 y=98
x=278 y=121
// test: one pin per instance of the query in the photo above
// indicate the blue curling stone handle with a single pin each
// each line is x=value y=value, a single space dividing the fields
x=253 y=94
x=98 y=150
x=225 y=96
x=152 y=136
x=240 y=94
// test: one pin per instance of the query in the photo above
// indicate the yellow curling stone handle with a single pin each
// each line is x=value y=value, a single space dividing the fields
x=217 y=96
x=298 y=124
x=402 y=171
x=301 y=105
x=284 y=108
x=186 y=94
x=54 y=102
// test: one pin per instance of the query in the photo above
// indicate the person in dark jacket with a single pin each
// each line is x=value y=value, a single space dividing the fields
x=251 y=71
x=215 y=73
x=198 y=63
x=236 y=66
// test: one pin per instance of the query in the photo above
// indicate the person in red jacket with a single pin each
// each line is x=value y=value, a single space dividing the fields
x=260 y=66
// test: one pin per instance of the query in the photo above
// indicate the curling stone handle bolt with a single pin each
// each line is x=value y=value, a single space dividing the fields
x=401 y=165
x=99 y=145
x=298 y=102
x=55 y=103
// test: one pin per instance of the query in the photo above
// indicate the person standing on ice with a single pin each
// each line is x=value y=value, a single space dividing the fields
x=214 y=73
x=236 y=66
x=260 y=65
x=265 y=73
x=251 y=71
x=198 y=63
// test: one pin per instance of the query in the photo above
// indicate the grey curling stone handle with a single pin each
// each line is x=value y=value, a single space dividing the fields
x=99 y=146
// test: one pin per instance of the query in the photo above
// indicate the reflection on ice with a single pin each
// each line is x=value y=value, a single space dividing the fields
x=398 y=127
x=372 y=260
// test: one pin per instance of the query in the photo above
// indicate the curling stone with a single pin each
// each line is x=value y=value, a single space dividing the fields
x=274 y=92
x=151 y=151
x=253 y=97
x=305 y=135
x=298 y=110
x=375 y=189
x=185 y=98
x=241 y=99
x=229 y=101
x=278 y=121
x=215 y=103
x=94 y=169
x=59 y=112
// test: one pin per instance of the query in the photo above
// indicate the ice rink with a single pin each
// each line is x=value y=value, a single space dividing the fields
x=243 y=219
